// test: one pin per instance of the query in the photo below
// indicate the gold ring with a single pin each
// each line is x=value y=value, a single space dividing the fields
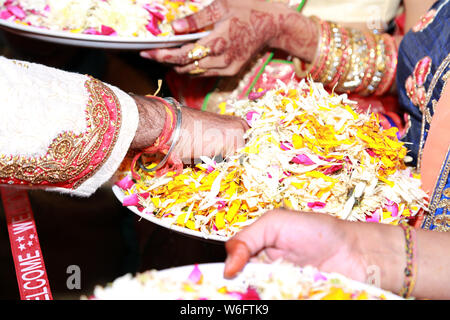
x=198 y=52
x=197 y=69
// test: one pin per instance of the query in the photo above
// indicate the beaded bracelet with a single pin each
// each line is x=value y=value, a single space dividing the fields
x=411 y=260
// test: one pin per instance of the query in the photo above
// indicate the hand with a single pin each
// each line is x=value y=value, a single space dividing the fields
x=202 y=133
x=242 y=28
x=209 y=134
x=301 y=238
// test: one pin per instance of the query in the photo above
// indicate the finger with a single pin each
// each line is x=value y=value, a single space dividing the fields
x=216 y=43
x=179 y=56
x=205 y=17
x=233 y=140
x=238 y=256
x=249 y=242
x=204 y=64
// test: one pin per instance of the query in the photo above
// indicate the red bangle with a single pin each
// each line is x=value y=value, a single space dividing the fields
x=325 y=41
x=346 y=45
x=160 y=144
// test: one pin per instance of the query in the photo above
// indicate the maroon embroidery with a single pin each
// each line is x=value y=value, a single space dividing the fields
x=425 y=21
x=415 y=83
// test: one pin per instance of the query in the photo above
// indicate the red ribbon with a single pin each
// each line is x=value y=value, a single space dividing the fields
x=29 y=263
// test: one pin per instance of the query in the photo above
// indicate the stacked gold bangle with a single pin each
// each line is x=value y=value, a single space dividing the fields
x=348 y=60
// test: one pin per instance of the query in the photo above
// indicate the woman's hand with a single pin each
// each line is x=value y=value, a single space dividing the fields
x=241 y=29
x=301 y=238
x=202 y=133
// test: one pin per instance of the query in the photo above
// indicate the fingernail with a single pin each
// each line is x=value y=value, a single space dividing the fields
x=180 y=25
x=144 y=54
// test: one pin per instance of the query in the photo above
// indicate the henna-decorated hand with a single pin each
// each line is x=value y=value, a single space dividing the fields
x=241 y=29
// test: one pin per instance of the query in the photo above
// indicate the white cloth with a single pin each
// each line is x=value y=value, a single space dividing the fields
x=39 y=103
x=374 y=13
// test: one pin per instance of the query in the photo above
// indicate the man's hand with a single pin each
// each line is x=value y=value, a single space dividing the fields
x=202 y=133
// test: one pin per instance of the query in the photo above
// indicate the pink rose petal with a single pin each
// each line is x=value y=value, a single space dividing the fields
x=374 y=218
x=91 y=31
x=153 y=11
x=108 y=31
x=286 y=146
x=319 y=277
x=332 y=169
x=126 y=183
x=256 y=95
x=251 y=294
x=251 y=116
x=302 y=159
x=316 y=205
x=392 y=207
x=371 y=153
x=5 y=14
x=131 y=200
x=17 y=11
x=222 y=204
x=196 y=275
x=152 y=26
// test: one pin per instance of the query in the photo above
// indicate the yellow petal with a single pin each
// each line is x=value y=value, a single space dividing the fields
x=297 y=141
x=220 y=221
x=233 y=210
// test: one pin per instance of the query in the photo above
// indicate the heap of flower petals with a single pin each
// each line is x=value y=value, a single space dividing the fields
x=283 y=282
x=125 y=18
x=306 y=150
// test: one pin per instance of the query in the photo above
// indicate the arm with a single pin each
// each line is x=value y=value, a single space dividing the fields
x=349 y=248
x=242 y=29
x=69 y=133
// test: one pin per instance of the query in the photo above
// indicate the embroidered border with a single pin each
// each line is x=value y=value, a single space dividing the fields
x=444 y=64
x=436 y=200
x=71 y=159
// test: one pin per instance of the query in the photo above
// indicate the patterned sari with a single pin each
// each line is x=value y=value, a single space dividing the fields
x=422 y=74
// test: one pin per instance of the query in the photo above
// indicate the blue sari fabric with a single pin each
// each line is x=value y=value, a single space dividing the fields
x=422 y=72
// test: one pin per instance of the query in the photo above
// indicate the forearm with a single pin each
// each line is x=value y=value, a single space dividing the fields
x=385 y=250
x=297 y=35
x=61 y=131
x=151 y=122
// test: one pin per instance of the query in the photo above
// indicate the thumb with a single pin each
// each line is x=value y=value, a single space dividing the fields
x=238 y=255
x=249 y=241
x=201 y=19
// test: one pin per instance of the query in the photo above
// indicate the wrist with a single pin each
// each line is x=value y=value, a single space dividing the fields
x=151 y=122
x=382 y=252
x=297 y=35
